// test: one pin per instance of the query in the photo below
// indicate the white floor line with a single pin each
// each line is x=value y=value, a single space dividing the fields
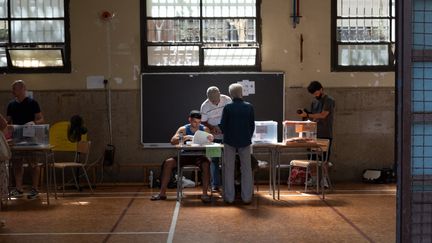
x=337 y=195
x=83 y=233
x=112 y=197
x=173 y=223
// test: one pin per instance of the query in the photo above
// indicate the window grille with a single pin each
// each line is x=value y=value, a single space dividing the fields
x=201 y=35
x=364 y=35
x=34 y=36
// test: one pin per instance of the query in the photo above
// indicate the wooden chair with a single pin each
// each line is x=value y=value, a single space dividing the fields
x=80 y=161
x=324 y=145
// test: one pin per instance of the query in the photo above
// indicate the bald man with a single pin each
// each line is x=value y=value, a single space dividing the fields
x=23 y=110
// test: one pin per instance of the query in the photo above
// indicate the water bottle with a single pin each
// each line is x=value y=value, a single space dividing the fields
x=151 y=179
x=181 y=139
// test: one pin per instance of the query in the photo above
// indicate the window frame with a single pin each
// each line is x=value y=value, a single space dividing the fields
x=64 y=46
x=335 y=67
x=201 y=67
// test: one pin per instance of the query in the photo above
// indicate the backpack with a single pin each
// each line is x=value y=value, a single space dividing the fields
x=298 y=176
x=172 y=182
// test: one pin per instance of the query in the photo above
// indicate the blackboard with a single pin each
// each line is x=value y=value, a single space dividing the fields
x=167 y=99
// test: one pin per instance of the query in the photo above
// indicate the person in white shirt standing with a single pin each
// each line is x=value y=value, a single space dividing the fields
x=211 y=111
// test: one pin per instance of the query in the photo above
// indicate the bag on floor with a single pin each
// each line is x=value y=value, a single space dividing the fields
x=298 y=176
x=385 y=175
x=172 y=182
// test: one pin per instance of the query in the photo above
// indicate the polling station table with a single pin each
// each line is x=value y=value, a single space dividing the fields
x=33 y=152
x=211 y=150
x=269 y=150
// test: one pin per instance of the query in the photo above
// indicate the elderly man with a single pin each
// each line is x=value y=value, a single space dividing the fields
x=24 y=110
x=187 y=132
x=211 y=110
x=238 y=125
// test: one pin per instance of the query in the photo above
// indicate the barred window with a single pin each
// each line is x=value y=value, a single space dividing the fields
x=197 y=35
x=364 y=35
x=34 y=36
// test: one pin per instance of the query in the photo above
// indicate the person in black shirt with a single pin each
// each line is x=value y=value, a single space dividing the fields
x=24 y=110
x=237 y=125
x=321 y=112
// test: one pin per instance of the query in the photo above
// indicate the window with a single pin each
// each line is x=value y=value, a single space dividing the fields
x=198 y=35
x=34 y=36
x=363 y=36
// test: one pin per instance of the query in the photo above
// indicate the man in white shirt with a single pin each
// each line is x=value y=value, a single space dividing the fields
x=211 y=111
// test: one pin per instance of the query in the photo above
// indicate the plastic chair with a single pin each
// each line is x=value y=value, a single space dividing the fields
x=80 y=161
x=324 y=145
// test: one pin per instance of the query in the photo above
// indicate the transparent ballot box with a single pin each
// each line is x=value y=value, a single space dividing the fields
x=30 y=135
x=265 y=132
x=299 y=131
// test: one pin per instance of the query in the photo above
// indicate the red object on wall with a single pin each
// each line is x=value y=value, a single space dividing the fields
x=106 y=15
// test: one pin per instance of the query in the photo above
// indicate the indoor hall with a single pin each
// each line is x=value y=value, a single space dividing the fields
x=134 y=70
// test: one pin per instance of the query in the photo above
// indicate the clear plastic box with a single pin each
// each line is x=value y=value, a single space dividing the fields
x=299 y=130
x=265 y=132
x=30 y=135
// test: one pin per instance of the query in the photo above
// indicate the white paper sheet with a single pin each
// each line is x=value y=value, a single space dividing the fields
x=200 y=138
x=29 y=131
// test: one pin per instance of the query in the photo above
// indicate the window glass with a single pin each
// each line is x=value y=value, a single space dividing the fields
x=365 y=34
x=173 y=55
x=35 y=31
x=229 y=57
x=36 y=58
x=201 y=34
x=33 y=36
x=173 y=8
x=37 y=8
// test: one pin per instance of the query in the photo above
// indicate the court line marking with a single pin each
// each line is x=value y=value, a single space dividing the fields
x=83 y=233
x=173 y=223
x=349 y=222
x=121 y=216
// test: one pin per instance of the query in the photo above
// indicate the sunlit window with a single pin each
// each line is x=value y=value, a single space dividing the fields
x=201 y=34
x=364 y=37
x=34 y=36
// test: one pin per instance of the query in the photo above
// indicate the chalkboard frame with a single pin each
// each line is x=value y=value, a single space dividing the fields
x=167 y=98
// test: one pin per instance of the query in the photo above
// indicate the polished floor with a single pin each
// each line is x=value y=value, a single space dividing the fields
x=350 y=213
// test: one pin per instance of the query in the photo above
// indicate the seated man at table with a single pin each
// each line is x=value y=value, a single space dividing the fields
x=24 y=110
x=186 y=132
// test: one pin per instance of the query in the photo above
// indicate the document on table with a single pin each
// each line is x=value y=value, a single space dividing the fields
x=29 y=131
x=200 y=137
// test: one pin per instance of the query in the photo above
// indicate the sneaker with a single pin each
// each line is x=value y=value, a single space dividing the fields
x=325 y=183
x=15 y=193
x=311 y=182
x=205 y=198
x=33 y=194
x=215 y=189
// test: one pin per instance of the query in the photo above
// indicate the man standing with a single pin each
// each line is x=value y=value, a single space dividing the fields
x=211 y=110
x=322 y=112
x=24 y=110
x=238 y=125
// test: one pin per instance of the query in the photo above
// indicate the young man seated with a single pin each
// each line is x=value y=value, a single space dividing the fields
x=187 y=131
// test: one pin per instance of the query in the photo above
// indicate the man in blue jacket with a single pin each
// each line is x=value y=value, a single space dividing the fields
x=238 y=125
